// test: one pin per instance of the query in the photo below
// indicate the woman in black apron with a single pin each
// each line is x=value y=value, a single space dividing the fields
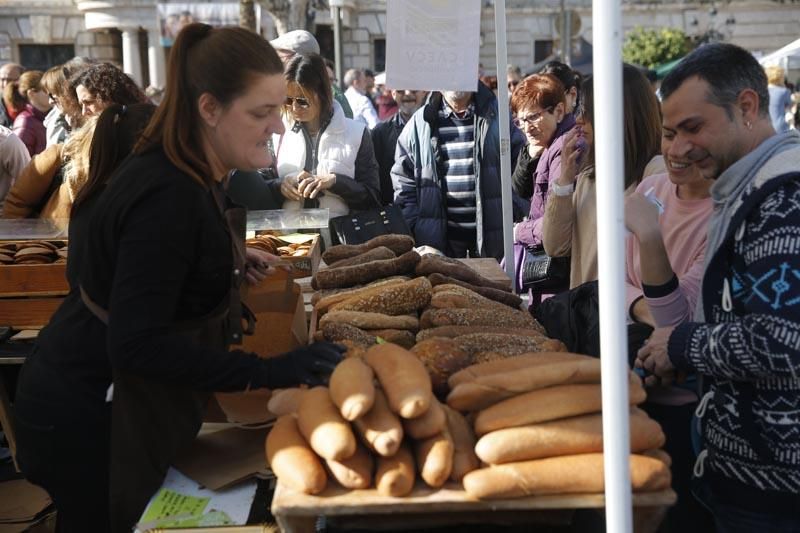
x=158 y=299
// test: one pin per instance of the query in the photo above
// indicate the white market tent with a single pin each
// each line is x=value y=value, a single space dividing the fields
x=787 y=57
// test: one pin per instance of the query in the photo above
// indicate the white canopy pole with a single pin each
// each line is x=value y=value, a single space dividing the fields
x=505 y=138
x=610 y=168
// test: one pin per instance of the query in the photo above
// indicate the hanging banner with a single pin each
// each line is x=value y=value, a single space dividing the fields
x=433 y=45
x=174 y=16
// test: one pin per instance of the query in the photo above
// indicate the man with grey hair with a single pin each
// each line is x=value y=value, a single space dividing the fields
x=9 y=72
x=356 y=93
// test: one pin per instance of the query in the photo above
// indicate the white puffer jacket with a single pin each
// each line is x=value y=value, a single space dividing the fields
x=338 y=145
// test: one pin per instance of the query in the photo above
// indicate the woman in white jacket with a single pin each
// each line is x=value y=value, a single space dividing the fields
x=324 y=159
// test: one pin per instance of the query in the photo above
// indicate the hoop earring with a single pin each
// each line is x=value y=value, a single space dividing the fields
x=748 y=125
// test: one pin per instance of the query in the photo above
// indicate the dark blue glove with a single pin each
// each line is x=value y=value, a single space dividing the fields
x=310 y=365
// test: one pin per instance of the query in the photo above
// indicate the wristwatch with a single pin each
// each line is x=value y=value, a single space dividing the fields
x=563 y=190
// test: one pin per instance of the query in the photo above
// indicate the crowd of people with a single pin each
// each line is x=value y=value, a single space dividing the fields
x=712 y=192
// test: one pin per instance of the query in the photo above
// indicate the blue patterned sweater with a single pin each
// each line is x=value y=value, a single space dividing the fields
x=748 y=350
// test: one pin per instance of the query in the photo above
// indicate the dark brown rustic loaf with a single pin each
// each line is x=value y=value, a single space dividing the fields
x=399 y=244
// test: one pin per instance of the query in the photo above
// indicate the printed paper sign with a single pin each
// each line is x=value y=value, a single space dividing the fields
x=433 y=45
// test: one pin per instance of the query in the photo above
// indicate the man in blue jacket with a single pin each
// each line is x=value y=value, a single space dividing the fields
x=446 y=175
x=744 y=339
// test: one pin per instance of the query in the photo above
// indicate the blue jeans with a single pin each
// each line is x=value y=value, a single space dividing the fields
x=729 y=518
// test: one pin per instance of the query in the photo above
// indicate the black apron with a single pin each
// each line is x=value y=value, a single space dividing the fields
x=153 y=421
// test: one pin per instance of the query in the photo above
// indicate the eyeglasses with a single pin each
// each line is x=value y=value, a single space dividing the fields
x=531 y=119
x=302 y=103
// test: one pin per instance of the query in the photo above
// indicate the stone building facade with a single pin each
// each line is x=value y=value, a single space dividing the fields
x=41 y=33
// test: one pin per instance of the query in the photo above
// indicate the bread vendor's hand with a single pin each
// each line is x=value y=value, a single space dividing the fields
x=289 y=186
x=259 y=265
x=310 y=365
x=321 y=182
x=654 y=359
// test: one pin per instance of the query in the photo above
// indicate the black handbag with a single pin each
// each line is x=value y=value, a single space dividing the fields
x=359 y=227
x=544 y=274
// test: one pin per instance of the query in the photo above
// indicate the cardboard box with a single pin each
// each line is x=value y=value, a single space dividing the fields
x=305 y=266
x=278 y=305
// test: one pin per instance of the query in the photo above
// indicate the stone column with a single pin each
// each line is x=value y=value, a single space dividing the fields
x=131 y=56
x=155 y=56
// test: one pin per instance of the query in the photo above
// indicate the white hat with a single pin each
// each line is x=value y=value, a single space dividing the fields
x=298 y=41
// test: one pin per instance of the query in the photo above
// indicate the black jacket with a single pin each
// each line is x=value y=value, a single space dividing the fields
x=384 y=141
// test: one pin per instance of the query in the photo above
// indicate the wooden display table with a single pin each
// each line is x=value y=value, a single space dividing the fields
x=425 y=507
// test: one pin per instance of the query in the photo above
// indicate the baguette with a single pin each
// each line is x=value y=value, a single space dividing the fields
x=370 y=320
x=323 y=427
x=435 y=264
x=351 y=388
x=570 y=436
x=571 y=474
x=399 y=244
x=492 y=388
x=659 y=454
x=545 y=405
x=476 y=317
x=499 y=295
x=464 y=458
x=394 y=476
x=339 y=331
x=476 y=371
x=441 y=357
x=291 y=459
x=435 y=459
x=284 y=401
x=380 y=428
x=433 y=422
x=398 y=299
x=322 y=300
x=458 y=300
x=458 y=331
x=354 y=472
x=333 y=278
x=381 y=252
x=400 y=337
x=403 y=378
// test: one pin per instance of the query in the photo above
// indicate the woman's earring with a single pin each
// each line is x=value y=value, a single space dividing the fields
x=748 y=125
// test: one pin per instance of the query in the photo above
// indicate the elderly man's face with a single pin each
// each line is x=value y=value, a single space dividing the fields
x=699 y=136
x=8 y=74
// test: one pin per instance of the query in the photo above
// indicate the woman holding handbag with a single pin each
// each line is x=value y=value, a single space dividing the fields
x=324 y=159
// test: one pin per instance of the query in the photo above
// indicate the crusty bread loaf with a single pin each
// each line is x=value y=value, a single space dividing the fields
x=400 y=337
x=354 y=472
x=284 y=401
x=506 y=345
x=323 y=299
x=380 y=428
x=492 y=388
x=394 y=476
x=476 y=317
x=435 y=459
x=381 y=252
x=433 y=422
x=399 y=244
x=333 y=278
x=403 y=377
x=371 y=320
x=452 y=332
x=455 y=296
x=476 y=371
x=546 y=404
x=398 y=299
x=291 y=459
x=434 y=264
x=323 y=427
x=338 y=331
x=498 y=295
x=571 y=474
x=442 y=357
x=567 y=436
x=659 y=454
x=351 y=388
x=464 y=458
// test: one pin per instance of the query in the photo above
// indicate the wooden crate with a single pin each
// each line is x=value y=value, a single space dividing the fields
x=30 y=294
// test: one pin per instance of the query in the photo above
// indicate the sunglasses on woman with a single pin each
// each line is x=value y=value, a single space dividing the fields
x=301 y=102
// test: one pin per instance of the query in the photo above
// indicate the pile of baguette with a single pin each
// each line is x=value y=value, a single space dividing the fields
x=376 y=425
x=539 y=428
x=448 y=314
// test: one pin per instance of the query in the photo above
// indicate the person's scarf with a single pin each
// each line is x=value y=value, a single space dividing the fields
x=735 y=182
